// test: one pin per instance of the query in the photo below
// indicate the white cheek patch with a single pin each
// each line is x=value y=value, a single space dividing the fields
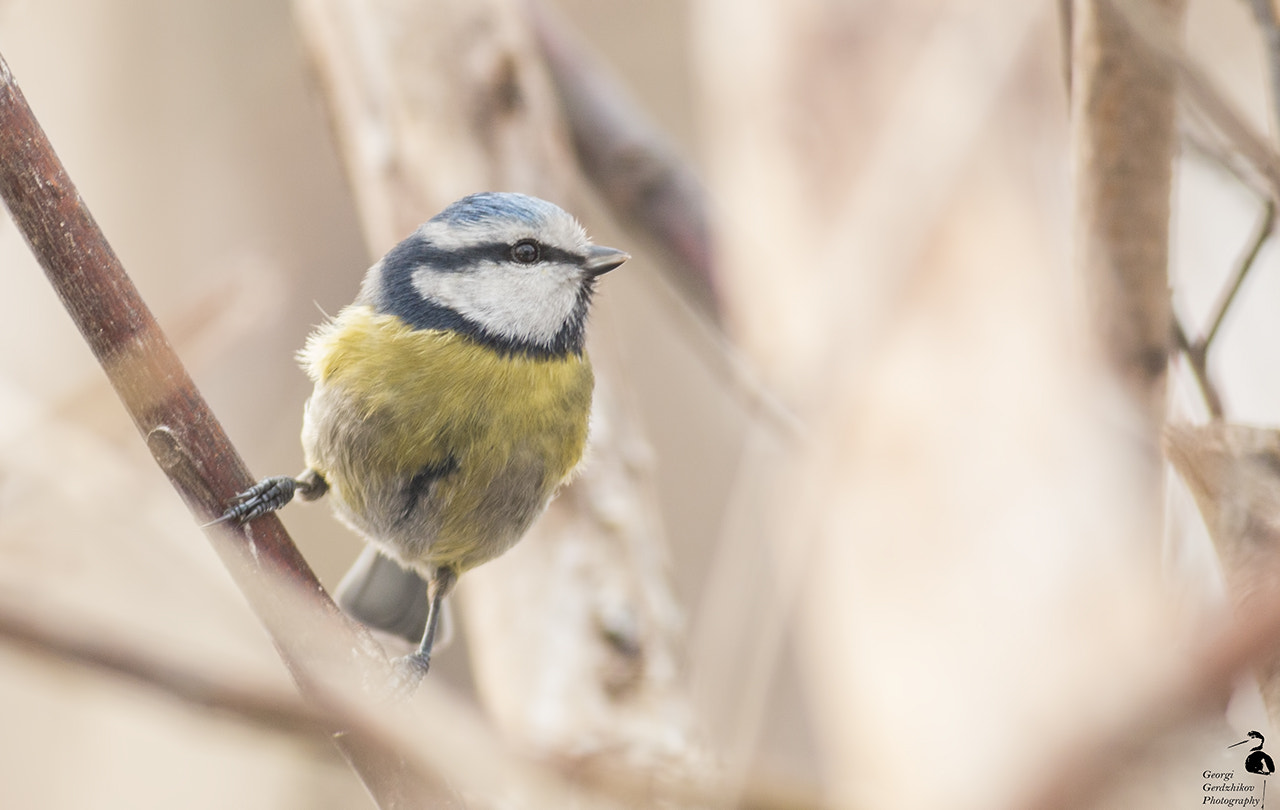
x=527 y=304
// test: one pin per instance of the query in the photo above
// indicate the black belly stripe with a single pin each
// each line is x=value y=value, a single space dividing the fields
x=421 y=481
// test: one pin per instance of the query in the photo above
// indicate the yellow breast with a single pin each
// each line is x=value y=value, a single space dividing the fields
x=392 y=400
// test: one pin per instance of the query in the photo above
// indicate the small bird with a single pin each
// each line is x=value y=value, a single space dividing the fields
x=452 y=397
x=1258 y=761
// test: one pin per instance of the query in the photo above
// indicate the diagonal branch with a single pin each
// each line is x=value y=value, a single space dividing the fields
x=1264 y=230
x=179 y=428
x=1197 y=352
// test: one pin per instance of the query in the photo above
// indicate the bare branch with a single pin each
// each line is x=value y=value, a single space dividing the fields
x=1199 y=90
x=1122 y=121
x=1197 y=361
x=1066 y=32
x=1197 y=353
x=180 y=430
x=1266 y=226
x=76 y=641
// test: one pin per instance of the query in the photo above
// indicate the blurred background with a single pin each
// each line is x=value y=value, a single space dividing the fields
x=949 y=552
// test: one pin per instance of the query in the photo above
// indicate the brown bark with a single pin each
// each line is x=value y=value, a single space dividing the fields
x=1123 y=104
x=184 y=436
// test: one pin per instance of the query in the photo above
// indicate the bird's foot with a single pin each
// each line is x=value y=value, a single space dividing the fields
x=267 y=495
x=407 y=672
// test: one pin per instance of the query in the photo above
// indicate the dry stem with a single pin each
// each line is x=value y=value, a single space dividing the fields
x=179 y=429
x=1197 y=352
x=1122 y=120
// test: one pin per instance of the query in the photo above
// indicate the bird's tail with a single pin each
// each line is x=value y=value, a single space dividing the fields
x=381 y=594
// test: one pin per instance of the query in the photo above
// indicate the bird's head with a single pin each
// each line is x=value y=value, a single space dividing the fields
x=509 y=270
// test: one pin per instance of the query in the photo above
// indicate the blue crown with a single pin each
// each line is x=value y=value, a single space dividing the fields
x=498 y=205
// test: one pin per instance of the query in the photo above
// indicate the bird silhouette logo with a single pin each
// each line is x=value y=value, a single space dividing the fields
x=1258 y=761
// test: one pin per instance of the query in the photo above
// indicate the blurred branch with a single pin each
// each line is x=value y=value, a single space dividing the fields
x=630 y=163
x=1199 y=90
x=1208 y=146
x=76 y=641
x=1197 y=352
x=180 y=430
x=857 y=258
x=647 y=185
x=1265 y=13
x=1066 y=33
x=1201 y=688
x=1124 y=137
x=1234 y=474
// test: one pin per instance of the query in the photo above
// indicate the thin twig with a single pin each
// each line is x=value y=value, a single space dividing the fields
x=1266 y=226
x=1197 y=353
x=179 y=428
x=1196 y=360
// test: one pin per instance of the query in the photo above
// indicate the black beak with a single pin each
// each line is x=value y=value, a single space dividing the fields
x=600 y=259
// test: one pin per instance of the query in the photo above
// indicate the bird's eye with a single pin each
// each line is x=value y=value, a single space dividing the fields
x=525 y=251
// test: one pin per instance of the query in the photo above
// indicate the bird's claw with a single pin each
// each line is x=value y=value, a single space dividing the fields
x=267 y=495
x=407 y=672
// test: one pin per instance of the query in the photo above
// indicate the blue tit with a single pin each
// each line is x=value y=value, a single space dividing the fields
x=452 y=397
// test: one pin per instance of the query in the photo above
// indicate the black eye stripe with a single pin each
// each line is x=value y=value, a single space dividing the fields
x=546 y=254
x=558 y=256
x=406 y=257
